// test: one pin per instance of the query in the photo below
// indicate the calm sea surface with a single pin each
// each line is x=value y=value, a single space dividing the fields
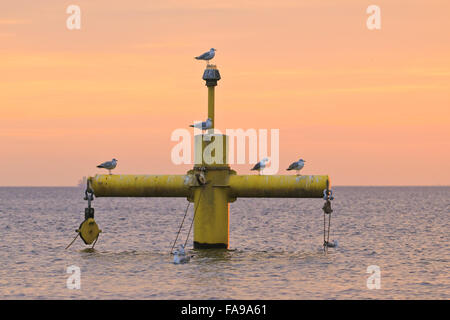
x=276 y=247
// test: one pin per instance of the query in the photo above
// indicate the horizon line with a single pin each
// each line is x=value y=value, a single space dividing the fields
x=342 y=185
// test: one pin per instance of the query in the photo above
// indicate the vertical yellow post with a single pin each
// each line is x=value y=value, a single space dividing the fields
x=211 y=105
x=211 y=224
x=211 y=76
x=211 y=200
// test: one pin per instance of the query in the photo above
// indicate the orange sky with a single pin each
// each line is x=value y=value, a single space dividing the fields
x=366 y=107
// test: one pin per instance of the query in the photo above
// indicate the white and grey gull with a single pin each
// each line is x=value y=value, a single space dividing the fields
x=179 y=256
x=207 y=55
x=108 y=165
x=297 y=166
x=205 y=125
x=260 y=165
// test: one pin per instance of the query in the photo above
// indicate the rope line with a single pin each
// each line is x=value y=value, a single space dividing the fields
x=95 y=242
x=195 y=210
x=181 y=226
x=324 y=232
x=329 y=227
x=73 y=240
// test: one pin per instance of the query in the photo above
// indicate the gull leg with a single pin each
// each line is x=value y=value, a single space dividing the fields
x=109 y=171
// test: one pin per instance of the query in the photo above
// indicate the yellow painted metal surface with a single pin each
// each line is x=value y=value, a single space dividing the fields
x=211 y=150
x=211 y=194
x=211 y=224
x=89 y=230
x=282 y=186
x=270 y=186
x=211 y=104
x=123 y=185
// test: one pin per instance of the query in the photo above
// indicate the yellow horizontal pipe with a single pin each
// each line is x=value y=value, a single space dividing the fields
x=246 y=186
x=285 y=186
x=123 y=185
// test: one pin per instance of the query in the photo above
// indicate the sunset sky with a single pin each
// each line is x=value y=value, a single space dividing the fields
x=366 y=107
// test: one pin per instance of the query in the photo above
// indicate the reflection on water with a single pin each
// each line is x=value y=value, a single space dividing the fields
x=276 y=247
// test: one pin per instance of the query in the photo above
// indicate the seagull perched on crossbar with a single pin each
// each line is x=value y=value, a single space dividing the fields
x=261 y=165
x=108 y=165
x=205 y=125
x=297 y=166
x=207 y=55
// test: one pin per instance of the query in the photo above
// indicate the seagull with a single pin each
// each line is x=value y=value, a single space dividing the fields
x=261 y=165
x=207 y=55
x=108 y=165
x=297 y=166
x=332 y=244
x=179 y=256
x=203 y=125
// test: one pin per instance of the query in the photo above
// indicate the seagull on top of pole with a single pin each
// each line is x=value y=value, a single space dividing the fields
x=297 y=166
x=108 y=165
x=260 y=165
x=205 y=125
x=207 y=55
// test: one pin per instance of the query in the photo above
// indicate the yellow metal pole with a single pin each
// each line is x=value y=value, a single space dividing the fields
x=211 y=105
x=211 y=185
x=211 y=200
x=211 y=224
x=211 y=76
x=235 y=186
x=121 y=185
x=255 y=186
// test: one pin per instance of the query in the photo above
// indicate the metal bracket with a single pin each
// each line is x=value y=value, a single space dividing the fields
x=201 y=179
x=328 y=194
x=89 y=196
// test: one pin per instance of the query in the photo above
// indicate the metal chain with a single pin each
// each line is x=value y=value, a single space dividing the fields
x=89 y=196
x=324 y=230
x=327 y=196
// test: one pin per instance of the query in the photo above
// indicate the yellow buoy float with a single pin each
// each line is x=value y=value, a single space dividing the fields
x=89 y=230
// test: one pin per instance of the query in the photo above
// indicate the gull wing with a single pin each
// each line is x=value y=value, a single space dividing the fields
x=292 y=166
x=106 y=165
x=204 y=56
x=206 y=125
x=257 y=166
